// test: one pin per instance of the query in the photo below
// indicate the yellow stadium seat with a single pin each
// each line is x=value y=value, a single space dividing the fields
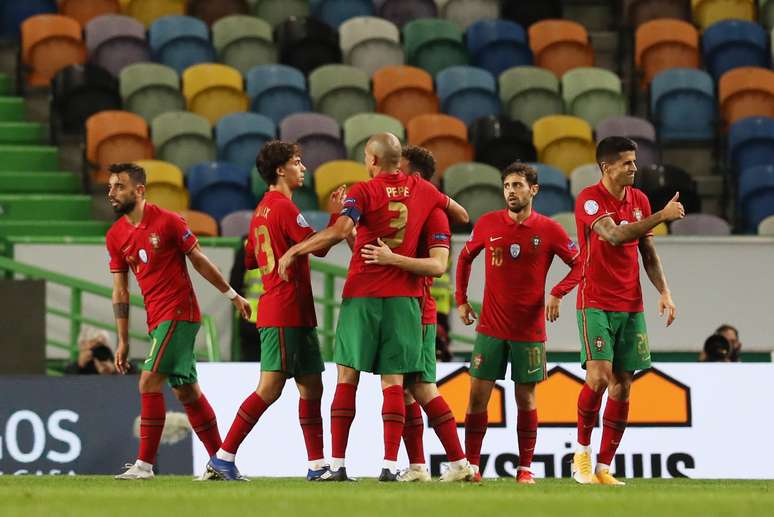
x=147 y=11
x=213 y=90
x=563 y=141
x=329 y=176
x=660 y=230
x=164 y=185
x=707 y=12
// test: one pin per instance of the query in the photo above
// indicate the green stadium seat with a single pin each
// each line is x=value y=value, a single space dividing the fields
x=593 y=94
x=6 y=84
x=150 y=89
x=529 y=93
x=183 y=138
x=359 y=128
x=12 y=109
x=305 y=198
x=341 y=91
x=258 y=186
x=243 y=42
x=434 y=44
x=41 y=207
x=567 y=220
x=75 y=228
x=277 y=11
x=56 y=182
x=477 y=186
x=29 y=158
x=23 y=133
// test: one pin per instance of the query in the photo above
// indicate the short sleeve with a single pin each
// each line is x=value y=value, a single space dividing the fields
x=589 y=209
x=356 y=202
x=117 y=262
x=293 y=223
x=182 y=236
x=436 y=232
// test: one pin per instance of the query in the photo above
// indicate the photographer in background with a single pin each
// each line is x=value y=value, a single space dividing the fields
x=95 y=355
x=722 y=346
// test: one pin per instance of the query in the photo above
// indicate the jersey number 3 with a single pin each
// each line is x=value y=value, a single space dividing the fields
x=398 y=223
x=263 y=245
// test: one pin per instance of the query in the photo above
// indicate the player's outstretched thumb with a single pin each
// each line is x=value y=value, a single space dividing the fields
x=676 y=196
x=380 y=242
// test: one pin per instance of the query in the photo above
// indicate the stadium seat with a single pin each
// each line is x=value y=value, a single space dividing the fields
x=307 y=43
x=277 y=91
x=50 y=42
x=148 y=11
x=164 y=185
x=201 y=224
x=433 y=45
x=180 y=42
x=78 y=92
x=239 y=137
x=336 y=12
x=359 y=128
x=584 y=176
x=114 y=42
x=751 y=142
x=730 y=44
x=564 y=142
x=341 y=91
x=402 y=12
x=444 y=136
x=528 y=13
x=331 y=175
x=497 y=45
x=43 y=207
x=467 y=92
x=553 y=196
x=211 y=12
x=30 y=158
x=116 y=137
x=467 y=12
x=370 y=43
x=567 y=221
x=637 y=12
x=529 y=93
x=708 y=12
x=243 y=42
x=560 y=45
x=660 y=230
x=593 y=94
x=319 y=137
x=236 y=224
x=765 y=227
x=683 y=106
x=663 y=44
x=258 y=186
x=661 y=182
x=150 y=89
x=277 y=11
x=219 y=188
x=214 y=90
x=756 y=195
x=404 y=92
x=83 y=11
x=746 y=92
x=700 y=224
x=13 y=14
x=183 y=139
x=500 y=141
x=639 y=130
x=476 y=186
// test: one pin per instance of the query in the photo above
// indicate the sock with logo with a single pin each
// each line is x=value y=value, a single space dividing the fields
x=613 y=427
x=589 y=402
x=526 y=429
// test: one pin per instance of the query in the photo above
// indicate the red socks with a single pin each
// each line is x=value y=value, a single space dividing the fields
x=441 y=419
x=202 y=419
x=152 y=416
x=588 y=409
x=246 y=418
x=311 y=425
x=475 y=429
x=342 y=415
x=412 y=434
x=526 y=429
x=393 y=417
x=613 y=427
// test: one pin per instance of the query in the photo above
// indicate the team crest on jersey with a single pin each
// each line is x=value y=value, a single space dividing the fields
x=477 y=361
x=638 y=214
x=143 y=256
x=515 y=250
x=535 y=241
x=155 y=241
x=599 y=343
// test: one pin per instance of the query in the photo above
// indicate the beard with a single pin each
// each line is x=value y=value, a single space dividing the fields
x=124 y=208
x=517 y=207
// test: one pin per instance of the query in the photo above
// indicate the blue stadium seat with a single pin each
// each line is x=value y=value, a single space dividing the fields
x=751 y=142
x=756 y=195
x=335 y=12
x=467 y=93
x=14 y=12
x=239 y=136
x=317 y=219
x=277 y=91
x=497 y=45
x=219 y=188
x=682 y=104
x=180 y=42
x=554 y=195
x=732 y=43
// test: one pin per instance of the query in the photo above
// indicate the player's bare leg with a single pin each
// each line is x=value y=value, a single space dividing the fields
x=393 y=418
x=342 y=415
x=476 y=421
x=614 y=424
x=310 y=390
x=598 y=377
x=526 y=429
x=413 y=430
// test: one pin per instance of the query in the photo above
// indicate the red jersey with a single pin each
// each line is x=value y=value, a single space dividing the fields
x=518 y=257
x=276 y=226
x=436 y=233
x=155 y=250
x=393 y=207
x=611 y=274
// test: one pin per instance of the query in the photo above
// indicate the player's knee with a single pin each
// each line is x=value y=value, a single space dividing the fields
x=150 y=384
x=525 y=396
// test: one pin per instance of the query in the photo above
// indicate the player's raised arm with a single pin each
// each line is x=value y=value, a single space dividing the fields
x=381 y=254
x=121 y=313
x=652 y=264
x=204 y=266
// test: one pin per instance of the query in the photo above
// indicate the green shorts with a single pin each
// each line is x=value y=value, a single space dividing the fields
x=427 y=374
x=617 y=337
x=292 y=350
x=491 y=356
x=172 y=351
x=380 y=335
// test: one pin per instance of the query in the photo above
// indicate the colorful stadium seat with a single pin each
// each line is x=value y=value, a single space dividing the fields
x=219 y=188
x=336 y=12
x=370 y=43
x=663 y=44
x=751 y=142
x=211 y=12
x=183 y=139
x=402 y=12
x=13 y=14
x=467 y=92
x=116 y=137
x=243 y=42
x=85 y=10
x=341 y=91
x=500 y=141
x=444 y=136
x=433 y=44
x=404 y=92
x=148 y=11
x=746 y=92
x=114 y=42
x=593 y=94
x=639 y=130
x=584 y=176
x=277 y=11
x=239 y=137
x=467 y=12
x=236 y=224
x=201 y=224
x=331 y=175
x=560 y=45
x=529 y=93
x=637 y=12
x=164 y=185
x=359 y=128
x=277 y=91
x=78 y=92
x=567 y=221
x=765 y=227
x=307 y=43
x=49 y=43
x=180 y=42
x=756 y=195
x=730 y=44
x=700 y=224
x=150 y=89
x=497 y=45
x=553 y=196
x=319 y=137
x=214 y=90
x=563 y=141
x=477 y=186
x=682 y=105
x=708 y=12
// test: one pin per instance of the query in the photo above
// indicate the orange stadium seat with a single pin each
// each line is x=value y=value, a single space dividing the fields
x=560 y=45
x=746 y=92
x=203 y=225
x=662 y=44
x=50 y=42
x=85 y=10
x=404 y=92
x=113 y=137
x=445 y=136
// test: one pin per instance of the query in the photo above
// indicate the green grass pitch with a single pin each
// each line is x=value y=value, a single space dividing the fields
x=86 y=496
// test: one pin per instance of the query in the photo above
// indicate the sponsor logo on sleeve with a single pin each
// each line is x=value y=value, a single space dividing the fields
x=188 y=233
x=591 y=207
x=440 y=237
x=571 y=245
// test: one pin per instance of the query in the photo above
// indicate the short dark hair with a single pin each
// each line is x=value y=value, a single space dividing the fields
x=273 y=154
x=609 y=149
x=420 y=160
x=726 y=326
x=135 y=172
x=523 y=169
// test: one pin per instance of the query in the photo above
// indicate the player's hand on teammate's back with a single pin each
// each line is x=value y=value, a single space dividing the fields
x=552 y=308
x=467 y=314
x=665 y=304
x=336 y=200
x=242 y=306
x=122 y=358
x=674 y=209
x=284 y=264
x=379 y=253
